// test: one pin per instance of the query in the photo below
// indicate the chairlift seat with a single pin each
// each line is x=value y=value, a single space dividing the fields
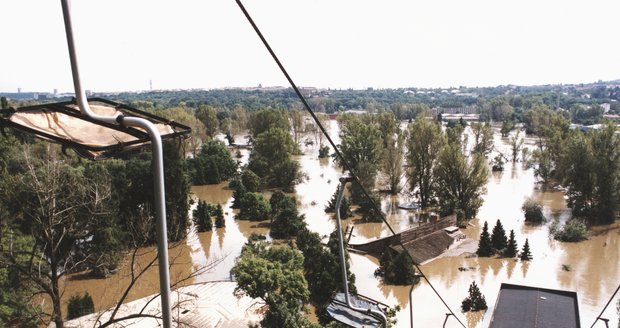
x=340 y=312
x=63 y=123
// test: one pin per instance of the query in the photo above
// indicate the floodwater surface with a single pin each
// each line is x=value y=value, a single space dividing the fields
x=591 y=268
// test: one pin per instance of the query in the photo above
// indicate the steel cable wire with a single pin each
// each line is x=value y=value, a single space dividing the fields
x=338 y=153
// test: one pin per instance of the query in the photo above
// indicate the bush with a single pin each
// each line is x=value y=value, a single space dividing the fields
x=574 y=230
x=80 y=306
x=533 y=211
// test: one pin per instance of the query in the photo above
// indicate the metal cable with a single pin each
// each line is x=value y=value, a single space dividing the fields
x=606 y=305
x=338 y=153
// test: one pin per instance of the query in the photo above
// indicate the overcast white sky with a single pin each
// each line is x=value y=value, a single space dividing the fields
x=123 y=44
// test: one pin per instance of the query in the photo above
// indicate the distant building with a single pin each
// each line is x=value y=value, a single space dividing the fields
x=530 y=307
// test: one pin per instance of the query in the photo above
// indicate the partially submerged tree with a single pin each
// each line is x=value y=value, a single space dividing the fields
x=475 y=301
x=345 y=206
x=483 y=138
x=460 y=183
x=498 y=237
x=201 y=217
x=485 y=247
x=424 y=145
x=362 y=148
x=396 y=269
x=321 y=268
x=212 y=165
x=271 y=159
x=254 y=207
x=511 y=249
x=526 y=254
x=287 y=222
x=532 y=211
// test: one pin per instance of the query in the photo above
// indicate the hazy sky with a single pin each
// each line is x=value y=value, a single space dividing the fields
x=123 y=44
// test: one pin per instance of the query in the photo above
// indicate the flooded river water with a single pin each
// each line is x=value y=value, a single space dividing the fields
x=593 y=265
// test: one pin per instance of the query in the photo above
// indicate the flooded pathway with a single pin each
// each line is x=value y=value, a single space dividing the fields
x=591 y=268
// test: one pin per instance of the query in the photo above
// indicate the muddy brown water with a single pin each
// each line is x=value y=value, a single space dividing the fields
x=591 y=268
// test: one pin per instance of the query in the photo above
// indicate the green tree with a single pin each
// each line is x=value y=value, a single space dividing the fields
x=589 y=168
x=271 y=159
x=483 y=138
x=320 y=268
x=213 y=164
x=485 y=247
x=532 y=211
x=475 y=301
x=239 y=192
x=15 y=289
x=58 y=209
x=498 y=237
x=4 y=103
x=296 y=124
x=274 y=274
x=187 y=117
x=201 y=217
x=393 y=163
x=266 y=119
x=250 y=180
x=334 y=249
x=132 y=190
x=324 y=152
x=345 y=206
x=287 y=221
x=254 y=207
x=80 y=306
x=516 y=143
x=396 y=270
x=460 y=184
x=606 y=149
x=511 y=249
x=424 y=144
x=526 y=255
x=219 y=217
x=507 y=126
x=208 y=116
x=361 y=147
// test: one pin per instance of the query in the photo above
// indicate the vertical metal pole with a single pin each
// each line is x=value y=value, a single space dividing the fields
x=343 y=260
x=160 y=213
x=158 y=167
x=411 y=305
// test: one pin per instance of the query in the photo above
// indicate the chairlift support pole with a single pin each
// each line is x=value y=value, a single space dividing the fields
x=343 y=260
x=158 y=166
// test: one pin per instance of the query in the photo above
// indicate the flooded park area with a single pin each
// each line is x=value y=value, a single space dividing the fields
x=591 y=268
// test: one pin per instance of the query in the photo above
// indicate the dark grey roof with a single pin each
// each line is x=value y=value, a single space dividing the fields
x=531 y=307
